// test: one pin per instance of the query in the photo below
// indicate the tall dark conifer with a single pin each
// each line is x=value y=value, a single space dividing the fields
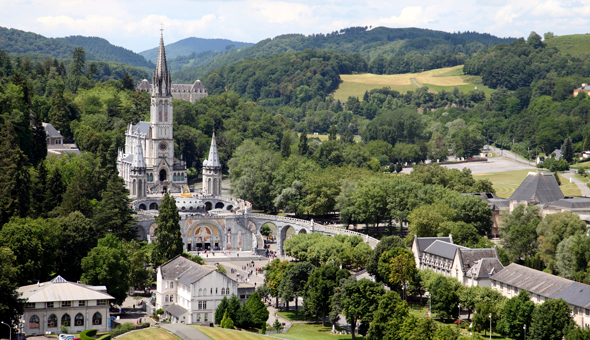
x=54 y=190
x=58 y=115
x=168 y=238
x=38 y=193
x=113 y=213
x=303 y=147
x=39 y=145
x=76 y=197
x=15 y=182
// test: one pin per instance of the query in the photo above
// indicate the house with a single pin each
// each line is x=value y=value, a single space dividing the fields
x=457 y=261
x=189 y=292
x=51 y=305
x=421 y=243
x=54 y=137
x=583 y=88
x=55 y=142
x=542 y=287
x=557 y=154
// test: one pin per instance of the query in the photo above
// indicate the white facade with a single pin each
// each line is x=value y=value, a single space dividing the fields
x=212 y=171
x=189 y=293
x=147 y=164
x=51 y=305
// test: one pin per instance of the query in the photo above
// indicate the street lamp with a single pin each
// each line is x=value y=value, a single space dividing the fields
x=490 y=326
x=9 y=330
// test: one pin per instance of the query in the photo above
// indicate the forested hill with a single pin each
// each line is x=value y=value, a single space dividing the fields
x=103 y=50
x=193 y=45
x=20 y=42
x=369 y=43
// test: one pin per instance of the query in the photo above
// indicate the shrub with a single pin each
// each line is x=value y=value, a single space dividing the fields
x=160 y=311
x=105 y=337
x=88 y=334
x=124 y=328
x=64 y=329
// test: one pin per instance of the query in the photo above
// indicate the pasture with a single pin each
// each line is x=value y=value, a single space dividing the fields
x=436 y=80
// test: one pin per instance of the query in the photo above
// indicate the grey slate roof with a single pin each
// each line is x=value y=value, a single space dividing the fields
x=213 y=160
x=141 y=127
x=577 y=294
x=484 y=268
x=557 y=153
x=176 y=310
x=443 y=249
x=572 y=203
x=425 y=242
x=469 y=256
x=184 y=270
x=51 y=131
x=494 y=202
x=532 y=280
x=538 y=188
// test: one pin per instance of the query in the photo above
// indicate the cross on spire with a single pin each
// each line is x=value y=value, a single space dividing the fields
x=162 y=27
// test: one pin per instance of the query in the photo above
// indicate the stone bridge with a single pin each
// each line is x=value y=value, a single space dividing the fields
x=238 y=228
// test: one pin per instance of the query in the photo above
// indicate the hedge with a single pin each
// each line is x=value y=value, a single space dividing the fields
x=88 y=334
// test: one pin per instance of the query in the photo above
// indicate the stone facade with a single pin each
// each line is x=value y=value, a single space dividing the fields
x=187 y=92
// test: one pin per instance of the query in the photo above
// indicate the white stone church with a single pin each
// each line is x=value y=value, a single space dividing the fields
x=147 y=164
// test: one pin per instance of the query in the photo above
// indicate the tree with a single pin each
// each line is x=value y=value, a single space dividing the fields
x=386 y=244
x=244 y=317
x=168 y=237
x=273 y=276
x=481 y=318
x=320 y=289
x=221 y=269
x=277 y=325
x=127 y=82
x=221 y=310
x=567 y=150
x=139 y=275
x=227 y=322
x=388 y=318
x=426 y=220
x=39 y=142
x=555 y=228
x=297 y=279
x=402 y=270
x=519 y=233
x=303 y=147
x=517 y=312
x=59 y=113
x=54 y=192
x=113 y=212
x=550 y=320
x=79 y=62
x=286 y=145
x=15 y=181
x=77 y=236
x=444 y=296
x=76 y=197
x=107 y=265
x=258 y=309
x=194 y=258
x=265 y=230
x=11 y=305
x=359 y=300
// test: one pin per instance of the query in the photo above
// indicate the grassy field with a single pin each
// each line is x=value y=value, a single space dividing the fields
x=291 y=316
x=506 y=183
x=574 y=44
x=436 y=80
x=312 y=331
x=226 y=334
x=150 y=333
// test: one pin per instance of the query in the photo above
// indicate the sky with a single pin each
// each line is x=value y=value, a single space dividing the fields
x=136 y=25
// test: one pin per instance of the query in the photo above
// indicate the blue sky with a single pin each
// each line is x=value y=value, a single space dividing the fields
x=135 y=24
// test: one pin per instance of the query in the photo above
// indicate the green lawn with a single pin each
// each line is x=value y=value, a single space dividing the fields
x=312 y=331
x=290 y=315
x=574 y=44
x=582 y=178
x=506 y=183
x=226 y=334
x=149 y=333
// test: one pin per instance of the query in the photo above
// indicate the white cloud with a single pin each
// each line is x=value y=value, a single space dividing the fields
x=279 y=11
x=410 y=16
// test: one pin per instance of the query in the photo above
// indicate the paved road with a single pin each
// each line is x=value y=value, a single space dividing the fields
x=184 y=332
x=495 y=164
x=584 y=190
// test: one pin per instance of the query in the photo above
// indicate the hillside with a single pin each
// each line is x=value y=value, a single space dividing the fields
x=192 y=45
x=103 y=50
x=17 y=41
x=574 y=45
x=380 y=41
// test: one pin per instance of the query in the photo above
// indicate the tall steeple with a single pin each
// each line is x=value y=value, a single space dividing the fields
x=138 y=161
x=213 y=160
x=162 y=81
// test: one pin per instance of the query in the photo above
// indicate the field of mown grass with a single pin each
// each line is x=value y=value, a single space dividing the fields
x=506 y=183
x=444 y=78
x=312 y=331
x=149 y=333
x=226 y=334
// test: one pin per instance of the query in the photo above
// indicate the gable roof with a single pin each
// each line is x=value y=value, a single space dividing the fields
x=534 y=281
x=425 y=242
x=51 y=131
x=60 y=289
x=470 y=256
x=484 y=268
x=443 y=249
x=572 y=203
x=538 y=188
x=183 y=270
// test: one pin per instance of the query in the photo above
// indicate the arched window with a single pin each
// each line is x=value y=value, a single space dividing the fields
x=66 y=320
x=79 y=320
x=160 y=111
x=52 y=321
x=227 y=291
x=34 y=321
x=211 y=292
x=165 y=111
x=222 y=291
x=97 y=319
x=171 y=298
x=200 y=291
x=171 y=284
x=166 y=298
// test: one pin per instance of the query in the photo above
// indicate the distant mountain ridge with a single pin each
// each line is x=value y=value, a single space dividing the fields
x=101 y=48
x=192 y=45
x=370 y=43
x=21 y=42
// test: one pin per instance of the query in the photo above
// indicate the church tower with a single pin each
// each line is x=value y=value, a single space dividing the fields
x=212 y=171
x=160 y=149
x=137 y=176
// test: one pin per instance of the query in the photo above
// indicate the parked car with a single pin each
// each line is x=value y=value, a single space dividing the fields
x=65 y=337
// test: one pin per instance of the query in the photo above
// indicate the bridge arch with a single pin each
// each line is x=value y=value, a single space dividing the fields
x=154 y=206
x=203 y=236
x=302 y=231
x=142 y=207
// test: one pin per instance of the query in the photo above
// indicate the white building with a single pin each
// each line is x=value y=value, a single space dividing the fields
x=51 y=305
x=212 y=171
x=189 y=293
x=147 y=164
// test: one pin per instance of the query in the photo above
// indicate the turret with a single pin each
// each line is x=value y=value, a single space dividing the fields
x=212 y=171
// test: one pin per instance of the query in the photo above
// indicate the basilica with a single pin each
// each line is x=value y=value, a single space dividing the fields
x=147 y=163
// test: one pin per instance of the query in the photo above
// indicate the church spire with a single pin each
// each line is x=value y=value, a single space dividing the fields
x=138 y=161
x=213 y=160
x=162 y=81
